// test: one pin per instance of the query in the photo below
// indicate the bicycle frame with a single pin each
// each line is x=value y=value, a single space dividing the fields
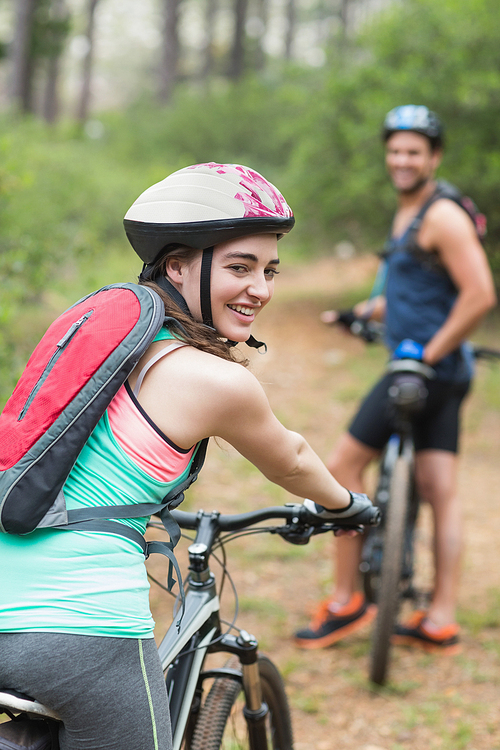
x=182 y=653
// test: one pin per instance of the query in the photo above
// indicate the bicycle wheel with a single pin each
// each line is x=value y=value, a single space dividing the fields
x=388 y=593
x=373 y=545
x=371 y=564
x=221 y=724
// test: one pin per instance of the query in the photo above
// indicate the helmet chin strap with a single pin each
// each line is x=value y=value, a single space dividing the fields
x=205 y=274
x=205 y=299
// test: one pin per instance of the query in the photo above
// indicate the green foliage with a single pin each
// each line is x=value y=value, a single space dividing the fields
x=50 y=30
x=61 y=204
x=251 y=122
x=445 y=55
x=315 y=133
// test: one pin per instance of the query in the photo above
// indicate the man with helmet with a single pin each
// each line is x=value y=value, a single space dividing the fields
x=436 y=288
x=76 y=631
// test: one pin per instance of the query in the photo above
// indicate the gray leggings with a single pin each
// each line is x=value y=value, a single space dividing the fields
x=109 y=692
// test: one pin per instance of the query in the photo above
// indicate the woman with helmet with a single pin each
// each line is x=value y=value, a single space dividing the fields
x=78 y=634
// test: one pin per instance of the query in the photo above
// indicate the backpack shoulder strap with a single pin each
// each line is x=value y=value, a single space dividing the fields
x=417 y=221
x=414 y=225
x=428 y=259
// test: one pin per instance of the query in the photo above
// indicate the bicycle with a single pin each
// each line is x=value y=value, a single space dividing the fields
x=388 y=558
x=388 y=555
x=204 y=702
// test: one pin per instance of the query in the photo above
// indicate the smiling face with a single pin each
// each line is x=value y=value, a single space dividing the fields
x=410 y=161
x=241 y=283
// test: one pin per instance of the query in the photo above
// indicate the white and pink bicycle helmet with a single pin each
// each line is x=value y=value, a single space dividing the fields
x=201 y=206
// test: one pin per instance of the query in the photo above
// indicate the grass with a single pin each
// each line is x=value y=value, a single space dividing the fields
x=459 y=737
x=272 y=611
x=491 y=386
x=476 y=620
x=309 y=704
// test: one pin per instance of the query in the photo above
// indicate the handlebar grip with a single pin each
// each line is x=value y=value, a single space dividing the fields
x=346 y=317
x=367 y=517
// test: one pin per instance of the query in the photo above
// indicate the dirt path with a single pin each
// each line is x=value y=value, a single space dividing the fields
x=314 y=376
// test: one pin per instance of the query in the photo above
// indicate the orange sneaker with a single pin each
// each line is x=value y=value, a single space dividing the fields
x=415 y=632
x=332 y=622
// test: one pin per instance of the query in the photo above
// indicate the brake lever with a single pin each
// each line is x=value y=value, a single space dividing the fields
x=296 y=534
x=359 y=529
x=300 y=534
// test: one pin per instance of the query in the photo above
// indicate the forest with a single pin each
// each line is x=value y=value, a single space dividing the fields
x=100 y=99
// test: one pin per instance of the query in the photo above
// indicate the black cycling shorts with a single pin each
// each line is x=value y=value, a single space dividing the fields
x=436 y=427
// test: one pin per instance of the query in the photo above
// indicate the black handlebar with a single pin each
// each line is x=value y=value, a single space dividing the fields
x=295 y=513
x=484 y=352
x=373 y=332
x=369 y=330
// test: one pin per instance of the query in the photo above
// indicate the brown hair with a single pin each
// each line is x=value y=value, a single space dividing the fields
x=195 y=333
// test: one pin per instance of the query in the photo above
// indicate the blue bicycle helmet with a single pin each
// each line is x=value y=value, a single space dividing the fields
x=416 y=118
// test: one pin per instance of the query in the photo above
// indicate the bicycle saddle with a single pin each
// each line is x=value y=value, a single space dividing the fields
x=18 y=702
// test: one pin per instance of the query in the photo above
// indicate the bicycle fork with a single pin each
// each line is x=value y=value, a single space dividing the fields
x=201 y=594
x=255 y=711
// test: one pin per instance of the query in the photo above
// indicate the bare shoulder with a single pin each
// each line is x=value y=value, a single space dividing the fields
x=191 y=394
x=447 y=227
x=446 y=216
x=450 y=232
x=214 y=374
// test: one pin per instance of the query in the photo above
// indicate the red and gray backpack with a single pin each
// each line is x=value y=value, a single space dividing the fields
x=76 y=369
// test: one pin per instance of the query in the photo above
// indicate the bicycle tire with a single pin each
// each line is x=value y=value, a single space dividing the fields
x=221 y=724
x=373 y=545
x=388 y=595
x=371 y=564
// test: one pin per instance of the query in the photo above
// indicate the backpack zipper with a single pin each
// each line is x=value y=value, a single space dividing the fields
x=60 y=346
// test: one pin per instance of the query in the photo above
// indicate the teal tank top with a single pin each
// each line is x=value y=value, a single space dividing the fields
x=94 y=583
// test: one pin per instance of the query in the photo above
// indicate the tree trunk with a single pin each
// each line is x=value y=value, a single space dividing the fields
x=211 y=7
x=51 y=97
x=291 y=19
x=263 y=13
x=169 y=71
x=343 y=16
x=237 y=61
x=21 y=83
x=59 y=31
x=85 y=91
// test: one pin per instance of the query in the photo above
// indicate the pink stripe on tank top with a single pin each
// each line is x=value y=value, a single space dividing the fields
x=142 y=443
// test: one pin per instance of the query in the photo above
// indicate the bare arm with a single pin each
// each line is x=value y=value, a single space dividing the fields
x=283 y=456
x=214 y=397
x=450 y=231
x=370 y=309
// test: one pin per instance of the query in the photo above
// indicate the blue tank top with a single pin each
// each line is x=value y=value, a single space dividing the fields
x=419 y=299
